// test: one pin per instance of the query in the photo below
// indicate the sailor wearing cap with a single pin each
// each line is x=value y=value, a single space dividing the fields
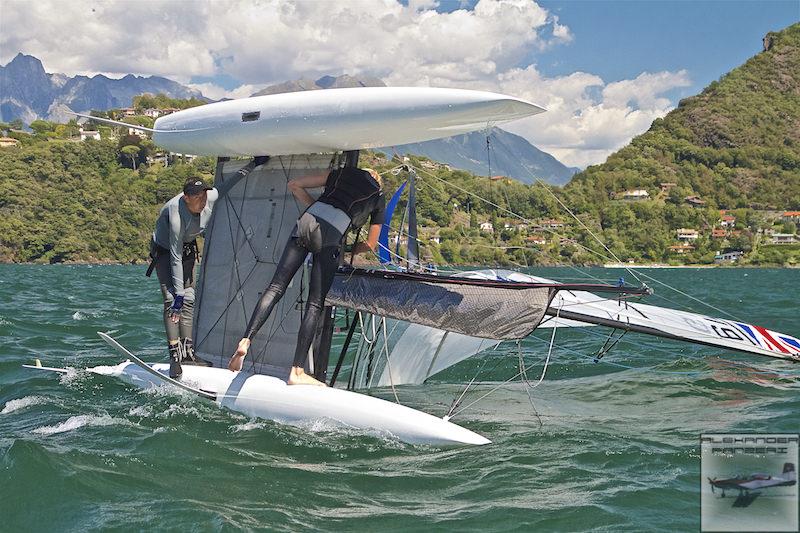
x=173 y=250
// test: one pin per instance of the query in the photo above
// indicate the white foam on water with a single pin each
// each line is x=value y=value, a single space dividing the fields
x=73 y=376
x=4 y=322
x=79 y=421
x=106 y=370
x=336 y=430
x=22 y=403
x=141 y=410
x=249 y=426
x=180 y=409
x=84 y=315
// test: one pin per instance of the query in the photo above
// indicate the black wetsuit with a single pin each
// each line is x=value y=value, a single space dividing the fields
x=351 y=197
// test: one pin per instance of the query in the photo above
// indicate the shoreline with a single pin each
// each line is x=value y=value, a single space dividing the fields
x=607 y=266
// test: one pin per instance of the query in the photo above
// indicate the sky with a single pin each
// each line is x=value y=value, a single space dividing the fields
x=604 y=70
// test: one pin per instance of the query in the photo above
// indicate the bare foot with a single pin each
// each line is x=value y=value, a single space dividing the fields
x=237 y=360
x=298 y=377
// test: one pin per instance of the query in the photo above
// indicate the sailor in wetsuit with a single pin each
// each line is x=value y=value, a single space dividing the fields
x=351 y=196
x=173 y=250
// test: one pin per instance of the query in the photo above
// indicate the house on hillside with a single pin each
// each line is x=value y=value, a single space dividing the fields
x=718 y=233
x=86 y=134
x=632 y=195
x=666 y=186
x=536 y=239
x=695 y=201
x=727 y=221
x=6 y=142
x=791 y=216
x=487 y=227
x=430 y=165
x=687 y=234
x=428 y=235
x=552 y=224
x=128 y=111
x=681 y=248
x=728 y=257
x=783 y=238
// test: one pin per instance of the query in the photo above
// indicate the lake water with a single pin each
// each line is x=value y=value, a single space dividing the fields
x=609 y=446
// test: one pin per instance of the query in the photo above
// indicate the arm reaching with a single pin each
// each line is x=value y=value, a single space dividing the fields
x=372 y=240
x=299 y=185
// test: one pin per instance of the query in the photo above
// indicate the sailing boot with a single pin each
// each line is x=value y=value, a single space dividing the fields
x=175 y=370
x=189 y=357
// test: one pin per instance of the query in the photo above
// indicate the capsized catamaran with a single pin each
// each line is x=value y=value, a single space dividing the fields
x=252 y=223
x=441 y=319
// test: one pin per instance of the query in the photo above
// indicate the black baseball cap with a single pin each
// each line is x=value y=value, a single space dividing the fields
x=195 y=186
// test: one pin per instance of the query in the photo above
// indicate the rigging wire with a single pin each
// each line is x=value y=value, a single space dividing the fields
x=388 y=362
x=633 y=272
x=522 y=372
x=583 y=247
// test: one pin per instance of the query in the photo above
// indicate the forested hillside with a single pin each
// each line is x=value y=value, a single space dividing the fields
x=719 y=174
x=735 y=146
x=66 y=201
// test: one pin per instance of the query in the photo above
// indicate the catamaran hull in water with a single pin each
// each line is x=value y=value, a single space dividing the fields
x=270 y=398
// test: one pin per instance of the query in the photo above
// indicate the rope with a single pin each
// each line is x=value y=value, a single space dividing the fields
x=388 y=362
x=518 y=374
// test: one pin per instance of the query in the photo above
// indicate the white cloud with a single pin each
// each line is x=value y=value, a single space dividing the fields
x=215 y=92
x=588 y=119
x=261 y=42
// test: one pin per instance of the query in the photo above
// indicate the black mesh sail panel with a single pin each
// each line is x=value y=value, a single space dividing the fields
x=490 y=311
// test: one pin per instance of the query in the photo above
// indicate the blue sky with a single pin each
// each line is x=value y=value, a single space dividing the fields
x=604 y=70
x=618 y=40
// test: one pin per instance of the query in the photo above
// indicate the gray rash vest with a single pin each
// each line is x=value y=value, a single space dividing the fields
x=176 y=225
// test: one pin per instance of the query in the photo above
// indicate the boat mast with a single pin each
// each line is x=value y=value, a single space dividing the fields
x=412 y=254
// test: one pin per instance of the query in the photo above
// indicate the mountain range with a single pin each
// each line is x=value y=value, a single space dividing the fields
x=506 y=155
x=29 y=93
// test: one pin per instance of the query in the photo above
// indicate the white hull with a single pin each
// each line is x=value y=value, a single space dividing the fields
x=271 y=398
x=333 y=120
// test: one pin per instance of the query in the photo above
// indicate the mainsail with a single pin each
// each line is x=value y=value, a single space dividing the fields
x=402 y=353
x=437 y=321
x=582 y=306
